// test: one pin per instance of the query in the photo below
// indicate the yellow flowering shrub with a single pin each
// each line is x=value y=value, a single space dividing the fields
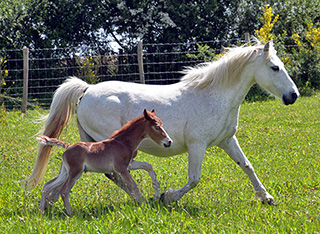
x=264 y=34
x=306 y=58
x=3 y=74
x=313 y=36
x=89 y=68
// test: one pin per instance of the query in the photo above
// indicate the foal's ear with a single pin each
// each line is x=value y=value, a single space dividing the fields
x=146 y=115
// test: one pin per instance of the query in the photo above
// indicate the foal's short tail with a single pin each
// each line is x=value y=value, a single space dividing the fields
x=44 y=140
x=63 y=103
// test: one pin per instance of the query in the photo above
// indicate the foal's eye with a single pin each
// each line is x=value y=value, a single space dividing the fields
x=275 y=68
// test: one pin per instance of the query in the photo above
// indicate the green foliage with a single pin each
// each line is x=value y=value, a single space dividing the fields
x=281 y=142
x=204 y=52
x=304 y=62
x=46 y=24
x=12 y=15
x=297 y=41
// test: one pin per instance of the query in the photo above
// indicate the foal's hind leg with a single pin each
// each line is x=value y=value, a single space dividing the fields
x=135 y=165
x=51 y=189
x=74 y=175
x=44 y=195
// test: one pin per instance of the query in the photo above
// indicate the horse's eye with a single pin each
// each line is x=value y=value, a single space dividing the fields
x=157 y=128
x=275 y=68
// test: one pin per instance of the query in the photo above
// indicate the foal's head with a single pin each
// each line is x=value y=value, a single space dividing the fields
x=155 y=129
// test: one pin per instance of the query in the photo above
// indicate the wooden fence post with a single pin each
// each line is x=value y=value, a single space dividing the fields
x=140 y=62
x=25 y=79
x=247 y=37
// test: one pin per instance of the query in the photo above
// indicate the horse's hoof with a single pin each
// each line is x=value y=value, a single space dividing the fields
x=265 y=198
x=269 y=202
x=162 y=197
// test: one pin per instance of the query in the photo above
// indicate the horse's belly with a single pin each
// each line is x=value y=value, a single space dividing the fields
x=149 y=147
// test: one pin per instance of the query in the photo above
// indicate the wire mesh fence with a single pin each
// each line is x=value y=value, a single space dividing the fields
x=48 y=68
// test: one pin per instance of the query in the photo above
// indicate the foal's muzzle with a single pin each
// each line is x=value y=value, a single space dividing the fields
x=167 y=144
x=290 y=98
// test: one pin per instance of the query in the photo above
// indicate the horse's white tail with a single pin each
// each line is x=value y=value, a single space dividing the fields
x=63 y=102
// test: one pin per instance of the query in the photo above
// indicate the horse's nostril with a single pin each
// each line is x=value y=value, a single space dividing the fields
x=294 y=96
x=290 y=99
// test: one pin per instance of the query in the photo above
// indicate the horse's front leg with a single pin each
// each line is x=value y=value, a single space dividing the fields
x=232 y=148
x=135 y=165
x=196 y=154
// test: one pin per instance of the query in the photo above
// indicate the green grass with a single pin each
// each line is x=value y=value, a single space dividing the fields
x=282 y=143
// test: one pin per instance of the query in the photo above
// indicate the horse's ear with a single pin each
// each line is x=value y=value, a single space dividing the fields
x=146 y=115
x=153 y=111
x=268 y=46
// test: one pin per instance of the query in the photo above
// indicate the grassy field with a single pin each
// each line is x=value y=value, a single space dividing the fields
x=282 y=143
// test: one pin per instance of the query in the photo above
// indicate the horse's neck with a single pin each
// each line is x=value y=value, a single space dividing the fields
x=235 y=94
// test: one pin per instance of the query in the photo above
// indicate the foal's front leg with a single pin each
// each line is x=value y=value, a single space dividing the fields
x=135 y=165
x=232 y=148
x=132 y=186
x=118 y=180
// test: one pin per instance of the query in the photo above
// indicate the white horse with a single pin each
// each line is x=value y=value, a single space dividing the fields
x=208 y=99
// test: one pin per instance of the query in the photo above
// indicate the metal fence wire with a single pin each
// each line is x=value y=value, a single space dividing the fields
x=48 y=68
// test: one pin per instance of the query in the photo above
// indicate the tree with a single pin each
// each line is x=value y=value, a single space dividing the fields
x=49 y=23
x=12 y=14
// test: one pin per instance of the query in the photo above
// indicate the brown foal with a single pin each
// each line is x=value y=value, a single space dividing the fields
x=112 y=155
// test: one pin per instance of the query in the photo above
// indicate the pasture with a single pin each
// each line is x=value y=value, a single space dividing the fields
x=282 y=143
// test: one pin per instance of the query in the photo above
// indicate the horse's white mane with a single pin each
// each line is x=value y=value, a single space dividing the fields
x=225 y=71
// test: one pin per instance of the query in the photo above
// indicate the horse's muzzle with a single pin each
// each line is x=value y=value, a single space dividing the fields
x=290 y=98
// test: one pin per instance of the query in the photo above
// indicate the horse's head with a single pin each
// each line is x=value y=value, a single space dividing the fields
x=155 y=129
x=271 y=74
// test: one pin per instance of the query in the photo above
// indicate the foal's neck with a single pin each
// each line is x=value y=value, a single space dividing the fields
x=132 y=133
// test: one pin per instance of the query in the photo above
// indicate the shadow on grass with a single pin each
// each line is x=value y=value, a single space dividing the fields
x=98 y=210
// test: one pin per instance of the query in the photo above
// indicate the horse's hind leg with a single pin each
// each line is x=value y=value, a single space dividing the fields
x=83 y=135
x=135 y=165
